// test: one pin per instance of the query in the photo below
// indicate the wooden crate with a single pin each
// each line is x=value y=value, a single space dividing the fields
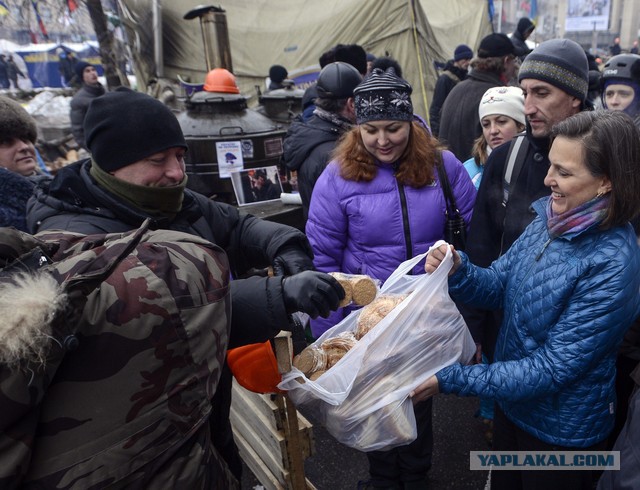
x=273 y=438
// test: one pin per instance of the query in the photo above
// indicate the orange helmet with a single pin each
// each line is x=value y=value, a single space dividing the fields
x=221 y=80
x=255 y=367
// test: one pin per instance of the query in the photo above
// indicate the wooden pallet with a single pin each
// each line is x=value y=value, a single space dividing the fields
x=273 y=438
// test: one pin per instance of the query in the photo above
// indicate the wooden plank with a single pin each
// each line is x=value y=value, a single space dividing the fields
x=269 y=443
x=294 y=459
x=257 y=467
x=273 y=438
x=284 y=351
x=262 y=403
x=261 y=408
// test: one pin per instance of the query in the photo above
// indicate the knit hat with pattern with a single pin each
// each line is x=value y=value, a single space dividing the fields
x=560 y=62
x=383 y=96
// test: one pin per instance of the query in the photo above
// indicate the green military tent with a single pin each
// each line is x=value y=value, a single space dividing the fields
x=294 y=33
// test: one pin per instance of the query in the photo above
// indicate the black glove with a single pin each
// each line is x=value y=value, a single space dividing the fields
x=314 y=293
x=290 y=260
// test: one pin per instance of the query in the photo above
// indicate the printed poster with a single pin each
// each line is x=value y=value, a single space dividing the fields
x=230 y=157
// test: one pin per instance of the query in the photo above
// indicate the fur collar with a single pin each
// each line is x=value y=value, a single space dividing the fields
x=28 y=304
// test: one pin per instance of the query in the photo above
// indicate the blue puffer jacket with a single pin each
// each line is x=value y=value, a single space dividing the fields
x=567 y=303
x=372 y=227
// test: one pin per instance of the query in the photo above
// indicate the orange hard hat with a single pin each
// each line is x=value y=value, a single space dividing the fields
x=255 y=367
x=221 y=80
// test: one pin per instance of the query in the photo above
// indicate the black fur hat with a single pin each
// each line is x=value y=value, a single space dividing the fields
x=15 y=122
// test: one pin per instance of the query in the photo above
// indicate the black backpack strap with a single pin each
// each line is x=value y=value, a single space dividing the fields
x=515 y=160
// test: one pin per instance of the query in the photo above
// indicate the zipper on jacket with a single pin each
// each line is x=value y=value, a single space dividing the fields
x=405 y=222
x=544 y=247
x=517 y=294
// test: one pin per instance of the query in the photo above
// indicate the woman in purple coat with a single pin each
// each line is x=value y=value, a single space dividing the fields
x=377 y=204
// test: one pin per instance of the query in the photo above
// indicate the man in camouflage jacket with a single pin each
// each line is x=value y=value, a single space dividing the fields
x=138 y=172
x=115 y=392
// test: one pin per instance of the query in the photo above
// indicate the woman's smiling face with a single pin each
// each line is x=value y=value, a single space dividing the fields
x=571 y=182
x=385 y=140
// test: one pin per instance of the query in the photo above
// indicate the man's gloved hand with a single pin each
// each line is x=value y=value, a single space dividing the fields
x=314 y=293
x=291 y=260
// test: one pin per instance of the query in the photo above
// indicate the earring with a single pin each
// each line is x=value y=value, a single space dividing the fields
x=600 y=194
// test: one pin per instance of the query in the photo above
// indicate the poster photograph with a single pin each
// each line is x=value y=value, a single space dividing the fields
x=256 y=185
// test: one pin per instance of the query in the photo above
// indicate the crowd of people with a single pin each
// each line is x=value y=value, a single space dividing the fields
x=132 y=287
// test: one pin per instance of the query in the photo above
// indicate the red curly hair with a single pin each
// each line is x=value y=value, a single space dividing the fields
x=417 y=163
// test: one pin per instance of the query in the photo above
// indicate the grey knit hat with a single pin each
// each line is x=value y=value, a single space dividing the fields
x=15 y=122
x=383 y=96
x=560 y=62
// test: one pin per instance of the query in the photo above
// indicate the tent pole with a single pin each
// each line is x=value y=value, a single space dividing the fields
x=157 y=37
x=415 y=40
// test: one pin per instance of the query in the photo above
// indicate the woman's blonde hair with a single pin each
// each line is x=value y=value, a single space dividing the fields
x=417 y=162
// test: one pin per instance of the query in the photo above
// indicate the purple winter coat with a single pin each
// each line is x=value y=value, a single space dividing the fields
x=372 y=227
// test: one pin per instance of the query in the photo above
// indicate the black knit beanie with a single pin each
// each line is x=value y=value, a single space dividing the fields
x=560 y=62
x=383 y=96
x=124 y=126
x=79 y=68
x=495 y=45
x=15 y=122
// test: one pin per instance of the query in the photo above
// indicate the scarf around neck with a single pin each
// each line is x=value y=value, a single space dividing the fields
x=577 y=219
x=155 y=201
x=336 y=119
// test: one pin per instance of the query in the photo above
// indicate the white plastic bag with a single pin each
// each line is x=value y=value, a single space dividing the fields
x=364 y=399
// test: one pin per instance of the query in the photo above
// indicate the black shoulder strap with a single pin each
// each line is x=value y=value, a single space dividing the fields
x=515 y=160
x=452 y=207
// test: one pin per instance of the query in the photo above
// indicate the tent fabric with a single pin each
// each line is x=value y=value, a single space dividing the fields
x=294 y=33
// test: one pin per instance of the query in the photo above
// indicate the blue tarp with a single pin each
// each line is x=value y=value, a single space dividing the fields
x=42 y=61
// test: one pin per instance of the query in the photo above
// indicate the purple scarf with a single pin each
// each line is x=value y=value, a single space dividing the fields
x=577 y=219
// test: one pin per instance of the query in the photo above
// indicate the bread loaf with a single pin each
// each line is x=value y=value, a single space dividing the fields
x=364 y=290
x=344 y=281
x=371 y=314
x=310 y=360
x=359 y=289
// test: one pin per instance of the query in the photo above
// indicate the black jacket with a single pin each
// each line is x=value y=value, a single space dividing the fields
x=307 y=149
x=518 y=38
x=493 y=228
x=459 y=122
x=79 y=106
x=73 y=201
x=450 y=77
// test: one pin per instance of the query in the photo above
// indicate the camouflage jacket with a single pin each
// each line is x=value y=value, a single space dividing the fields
x=109 y=357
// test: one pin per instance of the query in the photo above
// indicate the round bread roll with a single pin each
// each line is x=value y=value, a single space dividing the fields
x=316 y=375
x=344 y=281
x=364 y=290
x=334 y=356
x=371 y=314
x=343 y=341
x=310 y=360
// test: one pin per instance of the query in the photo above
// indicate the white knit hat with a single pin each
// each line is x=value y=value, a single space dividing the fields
x=506 y=101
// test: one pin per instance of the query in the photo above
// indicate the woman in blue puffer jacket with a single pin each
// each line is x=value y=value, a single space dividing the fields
x=376 y=205
x=569 y=288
